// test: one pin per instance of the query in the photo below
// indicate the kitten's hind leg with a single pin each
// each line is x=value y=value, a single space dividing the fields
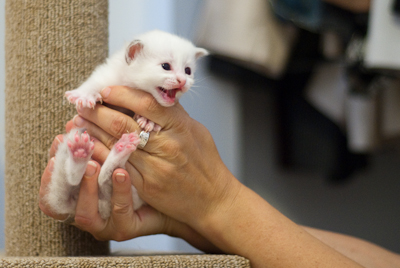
x=70 y=164
x=116 y=159
x=80 y=149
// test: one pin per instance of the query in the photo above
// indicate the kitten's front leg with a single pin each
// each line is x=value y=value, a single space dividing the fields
x=116 y=159
x=84 y=96
x=89 y=92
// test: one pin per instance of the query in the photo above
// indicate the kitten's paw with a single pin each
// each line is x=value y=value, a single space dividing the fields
x=127 y=144
x=147 y=125
x=80 y=147
x=82 y=99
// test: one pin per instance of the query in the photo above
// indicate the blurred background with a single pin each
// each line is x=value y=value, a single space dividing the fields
x=302 y=99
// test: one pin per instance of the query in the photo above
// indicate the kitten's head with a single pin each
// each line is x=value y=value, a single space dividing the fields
x=163 y=65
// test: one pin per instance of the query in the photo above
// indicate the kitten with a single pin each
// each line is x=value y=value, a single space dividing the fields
x=157 y=62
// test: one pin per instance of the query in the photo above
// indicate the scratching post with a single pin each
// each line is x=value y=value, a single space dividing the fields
x=51 y=46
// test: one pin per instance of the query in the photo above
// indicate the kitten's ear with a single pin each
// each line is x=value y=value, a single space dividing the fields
x=200 y=52
x=132 y=50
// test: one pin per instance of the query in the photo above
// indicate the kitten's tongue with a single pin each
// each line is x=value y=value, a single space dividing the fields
x=171 y=93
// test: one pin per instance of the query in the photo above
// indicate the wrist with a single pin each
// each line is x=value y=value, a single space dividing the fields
x=224 y=219
x=181 y=230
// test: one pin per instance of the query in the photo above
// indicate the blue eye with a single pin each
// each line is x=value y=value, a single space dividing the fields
x=166 y=66
x=188 y=71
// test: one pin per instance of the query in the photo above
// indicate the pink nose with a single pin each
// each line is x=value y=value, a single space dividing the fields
x=181 y=81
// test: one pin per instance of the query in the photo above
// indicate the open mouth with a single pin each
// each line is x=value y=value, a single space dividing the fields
x=168 y=94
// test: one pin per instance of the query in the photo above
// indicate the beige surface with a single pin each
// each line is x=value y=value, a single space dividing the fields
x=142 y=261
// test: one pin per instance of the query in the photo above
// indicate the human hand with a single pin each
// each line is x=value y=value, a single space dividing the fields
x=124 y=223
x=179 y=171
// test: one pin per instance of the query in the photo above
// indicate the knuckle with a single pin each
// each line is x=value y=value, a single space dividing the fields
x=119 y=125
x=151 y=188
x=150 y=103
x=173 y=150
x=84 y=222
x=121 y=209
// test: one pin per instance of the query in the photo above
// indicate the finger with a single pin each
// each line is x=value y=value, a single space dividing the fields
x=142 y=103
x=46 y=178
x=144 y=221
x=112 y=121
x=103 y=143
x=102 y=140
x=122 y=213
x=44 y=183
x=95 y=131
x=109 y=136
x=54 y=146
x=87 y=216
x=144 y=177
x=100 y=152
x=135 y=176
x=69 y=126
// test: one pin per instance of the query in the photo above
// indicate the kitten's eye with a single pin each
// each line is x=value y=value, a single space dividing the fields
x=166 y=66
x=188 y=71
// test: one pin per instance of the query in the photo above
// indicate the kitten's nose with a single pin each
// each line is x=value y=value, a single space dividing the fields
x=181 y=81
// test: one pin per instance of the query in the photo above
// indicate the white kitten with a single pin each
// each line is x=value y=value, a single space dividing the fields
x=157 y=62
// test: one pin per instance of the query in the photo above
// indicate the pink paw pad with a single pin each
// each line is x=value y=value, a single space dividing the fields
x=81 y=147
x=127 y=143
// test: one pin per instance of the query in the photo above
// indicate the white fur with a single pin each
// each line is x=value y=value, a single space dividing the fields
x=144 y=71
x=68 y=171
x=141 y=70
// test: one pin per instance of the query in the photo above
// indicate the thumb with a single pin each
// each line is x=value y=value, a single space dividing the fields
x=130 y=223
x=121 y=200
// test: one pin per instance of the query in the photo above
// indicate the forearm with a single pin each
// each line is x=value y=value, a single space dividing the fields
x=254 y=229
x=354 y=5
x=361 y=251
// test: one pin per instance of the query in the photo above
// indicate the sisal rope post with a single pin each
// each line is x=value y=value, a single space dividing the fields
x=51 y=46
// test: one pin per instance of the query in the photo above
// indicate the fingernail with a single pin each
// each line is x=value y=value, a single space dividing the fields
x=50 y=166
x=105 y=92
x=58 y=140
x=90 y=169
x=120 y=177
x=78 y=121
